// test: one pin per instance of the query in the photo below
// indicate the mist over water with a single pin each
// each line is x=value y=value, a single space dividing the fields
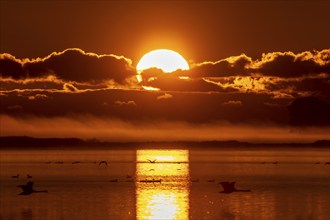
x=285 y=183
x=102 y=128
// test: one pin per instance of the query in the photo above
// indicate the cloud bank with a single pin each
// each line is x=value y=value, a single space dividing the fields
x=69 y=65
x=279 y=90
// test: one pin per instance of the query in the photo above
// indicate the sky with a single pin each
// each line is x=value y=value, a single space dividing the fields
x=259 y=70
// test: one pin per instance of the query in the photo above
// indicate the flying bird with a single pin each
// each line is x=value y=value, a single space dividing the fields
x=28 y=189
x=229 y=187
x=103 y=162
x=152 y=161
x=194 y=180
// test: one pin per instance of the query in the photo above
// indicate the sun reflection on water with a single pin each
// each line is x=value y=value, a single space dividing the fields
x=169 y=198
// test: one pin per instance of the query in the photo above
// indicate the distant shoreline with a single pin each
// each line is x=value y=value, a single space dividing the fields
x=25 y=142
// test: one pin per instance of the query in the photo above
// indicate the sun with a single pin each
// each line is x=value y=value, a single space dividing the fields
x=164 y=59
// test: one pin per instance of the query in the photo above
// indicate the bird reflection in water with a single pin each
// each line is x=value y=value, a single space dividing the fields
x=169 y=198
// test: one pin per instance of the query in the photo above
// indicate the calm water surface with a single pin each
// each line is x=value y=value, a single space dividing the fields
x=166 y=184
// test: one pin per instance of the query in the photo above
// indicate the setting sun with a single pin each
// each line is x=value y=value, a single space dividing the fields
x=166 y=60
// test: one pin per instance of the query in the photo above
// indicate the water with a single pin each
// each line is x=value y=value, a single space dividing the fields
x=284 y=183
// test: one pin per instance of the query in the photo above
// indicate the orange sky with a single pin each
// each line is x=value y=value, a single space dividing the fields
x=199 y=30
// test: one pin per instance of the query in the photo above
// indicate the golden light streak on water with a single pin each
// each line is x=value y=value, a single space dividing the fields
x=168 y=199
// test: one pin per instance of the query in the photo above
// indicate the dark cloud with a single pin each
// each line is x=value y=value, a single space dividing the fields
x=10 y=67
x=290 y=65
x=146 y=106
x=232 y=66
x=69 y=65
x=309 y=111
x=276 y=64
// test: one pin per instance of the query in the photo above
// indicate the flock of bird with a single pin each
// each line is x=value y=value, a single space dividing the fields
x=228 y=187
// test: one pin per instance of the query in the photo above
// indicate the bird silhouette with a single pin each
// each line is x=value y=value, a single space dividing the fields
x=152 y=161
x=103 y=162
x=229 y=187
x=194 y=180
x=15 y=176
x=28 y=189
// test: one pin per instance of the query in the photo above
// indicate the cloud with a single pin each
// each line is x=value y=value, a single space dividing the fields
x=37 y=96
x=69 y=65
x=290 y=65
x=169 y=82
x=309 y=111
x=232 y=103
x=236 y=90
x=281 y=74
x=69 y=87
x=277 y=64
x=165 y=96
x=232 y=66
x=204 y=107
x=123 y=103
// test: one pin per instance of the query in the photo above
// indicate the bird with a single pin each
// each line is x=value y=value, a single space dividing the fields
x=194 y=180
x=103 y=162
x=152 y=161
x=151 y=181
x=27 y=189
x=229 y=187
x=15 y=176
x=28 y=176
